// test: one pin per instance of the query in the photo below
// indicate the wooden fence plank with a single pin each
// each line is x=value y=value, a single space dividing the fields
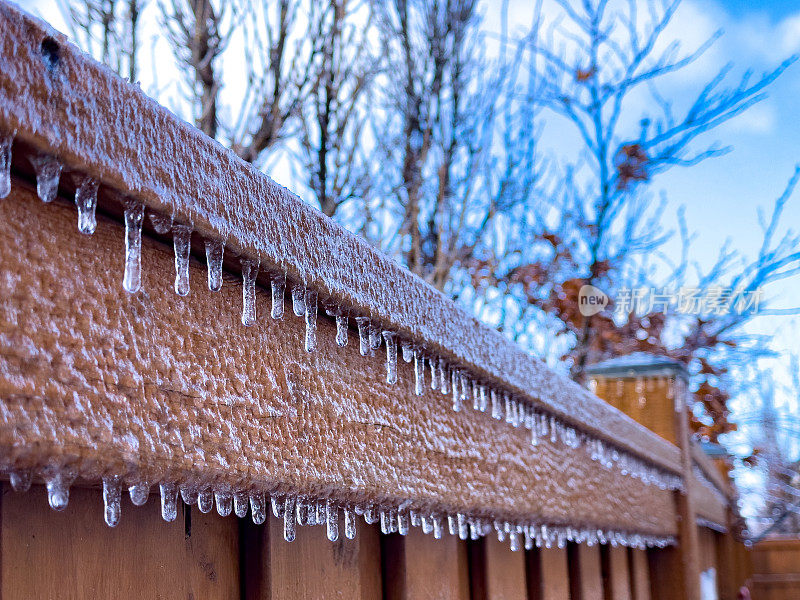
x=75 y=555
x=505 y=571
x=618 y=575
x=314 y=568
x=586 y=579
x=419 y=566
x=640 y=575
x=554 y=574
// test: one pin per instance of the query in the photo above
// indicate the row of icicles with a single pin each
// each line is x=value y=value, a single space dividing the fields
x=301 y=510
x=455 y=381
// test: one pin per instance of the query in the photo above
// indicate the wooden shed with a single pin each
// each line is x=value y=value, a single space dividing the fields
x=210 y=390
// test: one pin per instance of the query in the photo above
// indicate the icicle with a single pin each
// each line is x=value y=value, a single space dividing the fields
x=374 y=339
x=134 y=214
x=349 y=523
x=419 y=373
x=58 y=490
x=416 y=521
x=408 y=351
x=224 y=503
x=20 y=480
x=311 y=321
x=402 y=522
x=188 y=495
x=181 y=238
x=249 y=274
x=332 y=520
x=341 y=330
x=509 y=409
x=5 y=164
x=215 y=251
x=391 y=356
x=476 y=402
x=277 y=284
x=483 y=399
x=139 y=493
x=86 y=201
x=363 y=335
x=434 y=375
x=205 y=501
x=302 y=511
x=240 y=500
x=162 y=224
x=370 y=515
x=258 y=507
x=289 y=519
x=444 y=383
x=593 y=385
x=322 y=512
x=278 y=506
x=452 y=525
x=112 y=496
x=497 y=412
x=463 y=530
x=437 y=527
x=456 y=395
x=169 y=501
x=513 y=538
x=427 y=524
x=298 y=300
x=385 y=529
x=48 y=171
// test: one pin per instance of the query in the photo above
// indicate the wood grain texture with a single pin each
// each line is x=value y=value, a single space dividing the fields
x=74 y=555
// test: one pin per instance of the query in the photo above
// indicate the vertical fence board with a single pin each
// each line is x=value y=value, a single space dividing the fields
x=586 y=579
x=619 y=580
x=75 y=555
x=640 y=574
x=314 y=568
x=419 y=566
x=554 y=573
x=505 y=571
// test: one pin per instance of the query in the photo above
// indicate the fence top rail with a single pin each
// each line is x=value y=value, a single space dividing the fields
x=55 y=99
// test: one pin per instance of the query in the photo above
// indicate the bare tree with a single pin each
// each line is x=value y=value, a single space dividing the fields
x=332 y=148
x=107 y=29
x=443 y=98
x=198 y=33
x=598 y=225
x=283 y=44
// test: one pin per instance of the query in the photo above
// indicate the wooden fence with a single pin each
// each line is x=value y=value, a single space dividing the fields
x=776 y=569
x=432 y=457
